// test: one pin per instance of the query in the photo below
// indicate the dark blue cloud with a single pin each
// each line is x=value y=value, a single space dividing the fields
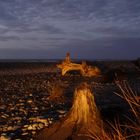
x=88 y=29
x=7 y=38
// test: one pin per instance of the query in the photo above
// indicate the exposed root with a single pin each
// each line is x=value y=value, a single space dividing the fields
x=82 y=121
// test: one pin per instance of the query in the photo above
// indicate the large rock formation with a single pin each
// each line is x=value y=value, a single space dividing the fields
x=81 y=123
x=85 y=70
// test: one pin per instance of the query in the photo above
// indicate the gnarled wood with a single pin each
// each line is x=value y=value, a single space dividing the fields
x=85 y=70
x=81 y=123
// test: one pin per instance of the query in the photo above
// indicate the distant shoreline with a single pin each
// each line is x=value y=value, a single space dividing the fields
x=58 y=60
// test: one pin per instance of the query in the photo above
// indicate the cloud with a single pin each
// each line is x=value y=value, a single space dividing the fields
x=62 y=25
x=7 y=38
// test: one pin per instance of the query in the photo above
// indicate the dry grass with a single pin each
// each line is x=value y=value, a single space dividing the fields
x=133 y=100
x=131 y=96
x=131 y=130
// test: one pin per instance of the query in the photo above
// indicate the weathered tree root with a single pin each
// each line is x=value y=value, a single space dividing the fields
x=81 y=123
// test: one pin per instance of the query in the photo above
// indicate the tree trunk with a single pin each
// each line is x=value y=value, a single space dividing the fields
x=81 y=123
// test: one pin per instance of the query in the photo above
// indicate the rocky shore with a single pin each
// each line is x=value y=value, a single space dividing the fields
x=31 y=101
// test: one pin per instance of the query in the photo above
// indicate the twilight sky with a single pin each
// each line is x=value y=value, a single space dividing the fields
x=91 y=29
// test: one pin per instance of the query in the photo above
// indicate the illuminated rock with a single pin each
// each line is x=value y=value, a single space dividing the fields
x=4 y=137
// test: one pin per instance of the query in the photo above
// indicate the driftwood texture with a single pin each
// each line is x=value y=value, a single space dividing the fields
x=84 y=69
x=81 y=123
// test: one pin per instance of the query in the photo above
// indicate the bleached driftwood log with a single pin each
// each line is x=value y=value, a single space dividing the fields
x=82 y=121
x=84 y=69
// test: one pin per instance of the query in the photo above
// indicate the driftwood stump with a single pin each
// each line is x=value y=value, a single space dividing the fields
x=84 y=69
x=81 y=123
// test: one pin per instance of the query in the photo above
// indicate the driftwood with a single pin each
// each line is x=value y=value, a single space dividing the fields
x=81 y=123
x=84 y=69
